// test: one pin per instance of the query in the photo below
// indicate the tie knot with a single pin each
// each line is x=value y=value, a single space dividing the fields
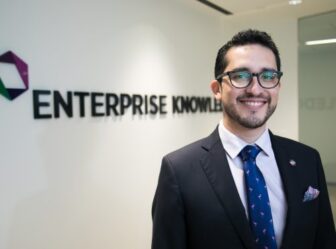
x=249 y=152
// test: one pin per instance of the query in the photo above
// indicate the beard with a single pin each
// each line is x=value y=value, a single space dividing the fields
x=250 y=121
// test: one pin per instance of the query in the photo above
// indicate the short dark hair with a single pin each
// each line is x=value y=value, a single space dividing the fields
x=242 y=38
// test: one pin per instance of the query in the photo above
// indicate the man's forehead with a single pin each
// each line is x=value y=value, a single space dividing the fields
x=250 y=53
x=250 y=48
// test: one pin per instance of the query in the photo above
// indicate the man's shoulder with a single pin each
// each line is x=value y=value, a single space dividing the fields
x=194 y=150
x=187 y=150
x=291 y=144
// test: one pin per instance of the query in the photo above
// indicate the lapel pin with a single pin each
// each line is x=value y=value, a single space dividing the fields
x=292 y=162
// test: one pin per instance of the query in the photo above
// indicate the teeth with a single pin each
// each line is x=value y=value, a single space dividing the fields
x=253 y=103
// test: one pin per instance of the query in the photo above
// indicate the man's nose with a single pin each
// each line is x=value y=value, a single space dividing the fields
x=254 y=87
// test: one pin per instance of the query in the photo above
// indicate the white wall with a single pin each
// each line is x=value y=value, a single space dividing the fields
x=88 y=183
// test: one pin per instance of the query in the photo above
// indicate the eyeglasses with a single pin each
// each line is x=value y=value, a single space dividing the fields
x=243 y=78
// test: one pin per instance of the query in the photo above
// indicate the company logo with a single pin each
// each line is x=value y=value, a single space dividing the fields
x=8 y=92
x=48 y=104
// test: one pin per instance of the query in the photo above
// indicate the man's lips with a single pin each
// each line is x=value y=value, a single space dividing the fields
x=253 y=102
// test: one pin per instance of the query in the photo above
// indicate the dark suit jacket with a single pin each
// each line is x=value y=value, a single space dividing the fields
x=197 y=205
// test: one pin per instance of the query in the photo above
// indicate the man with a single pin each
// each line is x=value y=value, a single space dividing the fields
x=243 y=187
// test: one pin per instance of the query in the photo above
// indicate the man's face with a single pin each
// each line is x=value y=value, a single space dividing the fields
x=252 y=106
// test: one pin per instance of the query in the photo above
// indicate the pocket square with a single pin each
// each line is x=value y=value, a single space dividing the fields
x=311 y=194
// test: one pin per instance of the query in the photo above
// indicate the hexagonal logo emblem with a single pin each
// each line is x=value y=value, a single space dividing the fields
x=8 y=92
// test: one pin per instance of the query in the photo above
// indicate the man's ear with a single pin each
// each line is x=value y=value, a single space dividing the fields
x=216 y=89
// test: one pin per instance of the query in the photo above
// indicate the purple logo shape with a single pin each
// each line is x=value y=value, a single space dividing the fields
x=22 y=68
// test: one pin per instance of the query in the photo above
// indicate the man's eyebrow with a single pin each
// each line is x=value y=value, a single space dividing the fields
x=238 y=69
x=268 y=69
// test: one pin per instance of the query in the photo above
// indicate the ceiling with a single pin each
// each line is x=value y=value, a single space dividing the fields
x=316 y=18
x=243 y=7
x=317 y=27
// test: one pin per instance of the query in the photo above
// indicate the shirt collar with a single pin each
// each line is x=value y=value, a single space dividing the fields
x=264 y=142
x=233 y=144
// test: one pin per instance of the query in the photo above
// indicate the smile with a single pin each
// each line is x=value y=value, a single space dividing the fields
x=253 y=103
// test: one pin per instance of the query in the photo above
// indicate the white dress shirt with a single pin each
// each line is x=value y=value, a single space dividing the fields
x=267 y=164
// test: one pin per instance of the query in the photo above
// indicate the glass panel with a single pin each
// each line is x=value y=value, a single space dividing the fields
x=317 y=89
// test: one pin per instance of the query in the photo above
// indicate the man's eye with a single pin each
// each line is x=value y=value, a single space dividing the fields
x=240 y=75
x=268 y=75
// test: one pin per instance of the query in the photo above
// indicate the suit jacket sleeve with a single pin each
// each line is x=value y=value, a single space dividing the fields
x=326 y=236
x=169 y=230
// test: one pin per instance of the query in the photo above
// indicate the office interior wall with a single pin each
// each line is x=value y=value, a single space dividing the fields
x=88 y=182
x=317 y=119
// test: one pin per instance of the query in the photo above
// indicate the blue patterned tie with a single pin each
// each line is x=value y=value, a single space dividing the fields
x=258 y=202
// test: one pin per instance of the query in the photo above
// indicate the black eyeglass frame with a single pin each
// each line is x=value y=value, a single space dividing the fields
x=220 y=77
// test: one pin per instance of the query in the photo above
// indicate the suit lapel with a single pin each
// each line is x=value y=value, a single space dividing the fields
x=216 y=168
x=291 y=181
